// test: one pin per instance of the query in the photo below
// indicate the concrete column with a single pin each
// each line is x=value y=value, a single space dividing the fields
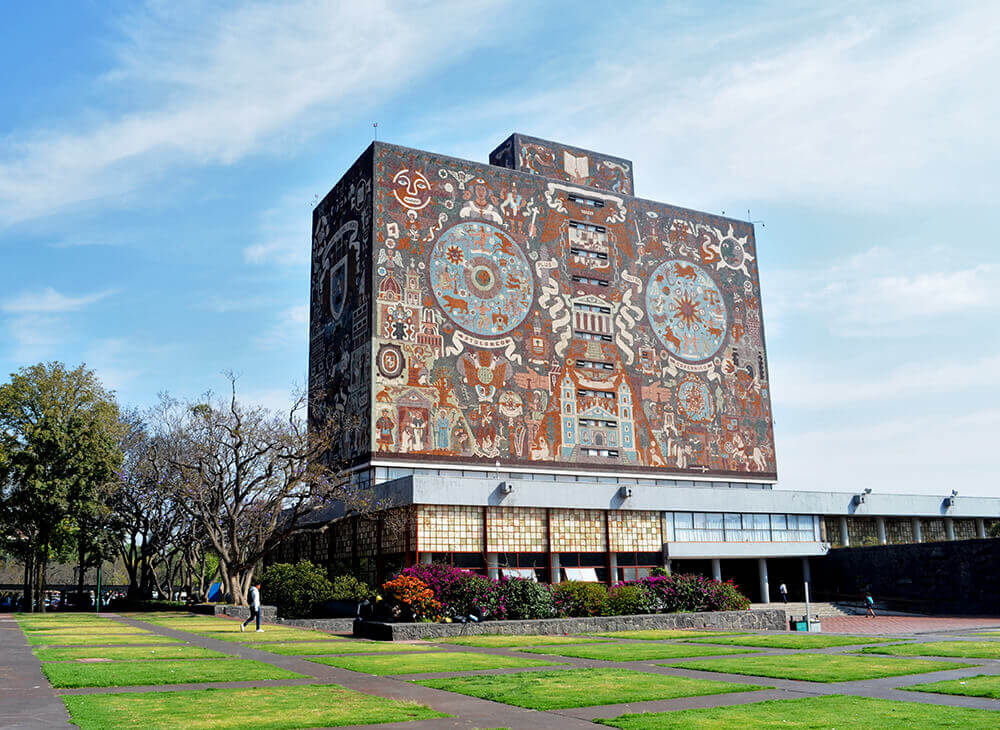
x=492 y=566
x=613 y=564
x=765 y=593
x=845 y=538
x=669 y=566
x=949 y=528
x=980 y=528
x=555 y=573
x=880 y=528
x=425 y=558
x=918 y=535
x=716 y=569
x=806 y=572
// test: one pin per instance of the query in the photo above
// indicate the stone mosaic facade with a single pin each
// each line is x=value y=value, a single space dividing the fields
x=473 y=314
x=899 y=531
x=449 y=528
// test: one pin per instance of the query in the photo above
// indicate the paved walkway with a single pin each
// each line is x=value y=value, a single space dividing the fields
x=895 y=625
x=39 y=707
x=26 y=699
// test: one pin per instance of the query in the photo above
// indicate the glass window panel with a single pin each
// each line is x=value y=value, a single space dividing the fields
x=732 y=521
x=682 y=520
x=713 y=520
x=699 y=520
x=778 y=522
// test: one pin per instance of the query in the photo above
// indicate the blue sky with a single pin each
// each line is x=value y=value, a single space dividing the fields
x=159 y=162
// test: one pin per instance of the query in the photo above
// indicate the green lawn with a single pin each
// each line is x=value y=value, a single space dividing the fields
x=506 y=640
x=267 y=708
x=970 y=649
x=581 y=687
x=987 y=633
x=790 y=641
x=444 y=661
x=814 y=713
x=87 y=630
x=819 y=667
x=635 y=652
x=661 y=634
x=305 y=648
x=139 y=673
x=72 y=639
x=982 y=685
x=120 y=653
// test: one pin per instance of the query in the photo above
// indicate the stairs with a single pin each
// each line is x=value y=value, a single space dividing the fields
x=820 y=609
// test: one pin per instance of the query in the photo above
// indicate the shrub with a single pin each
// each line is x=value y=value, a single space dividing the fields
x=349 y=588
x=409 y=599
x=576 y=598
x=460 y=592
x=297 y=590
x=626 y=599
x=520 y=598
x=682 y=592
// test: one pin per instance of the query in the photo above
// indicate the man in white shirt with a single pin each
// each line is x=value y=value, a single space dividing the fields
x=254 y=609
x=783 y=590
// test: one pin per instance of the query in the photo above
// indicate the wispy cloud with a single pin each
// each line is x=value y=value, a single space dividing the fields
x=289 y=329
x=49 y=301
x=283 y=233
x=212 y=86
x=862 y=106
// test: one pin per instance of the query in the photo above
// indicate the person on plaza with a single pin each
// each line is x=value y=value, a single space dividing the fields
x=783 y=590
x=869 y=604
x=254 y=608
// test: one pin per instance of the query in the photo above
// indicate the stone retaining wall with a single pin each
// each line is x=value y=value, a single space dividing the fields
x=270 y=615
x=773 y=619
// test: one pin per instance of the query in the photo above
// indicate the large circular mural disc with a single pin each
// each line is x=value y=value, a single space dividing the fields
x=686 y=309
x=694 y=400
x=481 y=279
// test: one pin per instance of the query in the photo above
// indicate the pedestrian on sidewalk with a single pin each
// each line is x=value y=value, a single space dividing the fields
x=783 y=590
x=869 y=604
x=254 y=609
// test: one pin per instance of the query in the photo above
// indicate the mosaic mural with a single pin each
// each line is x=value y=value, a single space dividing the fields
x=534 y=320
x=562 y=162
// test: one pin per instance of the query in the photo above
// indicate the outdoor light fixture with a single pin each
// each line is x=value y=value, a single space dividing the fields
x=506 y=487
x=625 y=492
x=949 y=502
x=863 y=497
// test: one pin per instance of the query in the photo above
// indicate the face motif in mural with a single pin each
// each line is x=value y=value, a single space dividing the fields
x=481 y=279
x=411 y=189
x=686 y=309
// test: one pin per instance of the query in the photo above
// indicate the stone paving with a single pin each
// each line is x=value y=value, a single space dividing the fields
x=27 y=701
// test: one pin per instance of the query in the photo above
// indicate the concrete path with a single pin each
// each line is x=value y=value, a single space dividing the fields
x=469 y=712
x=26 y=698
x=905 y=624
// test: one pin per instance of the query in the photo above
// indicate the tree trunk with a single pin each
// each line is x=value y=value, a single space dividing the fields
x=238 y=591
x=29 y=583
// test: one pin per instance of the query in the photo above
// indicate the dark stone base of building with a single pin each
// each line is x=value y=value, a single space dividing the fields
x=958 y=577
x=772 y=619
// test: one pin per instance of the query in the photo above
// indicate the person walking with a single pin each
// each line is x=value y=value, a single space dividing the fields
x=869 y=604
x=783 y=590
x=254 y=608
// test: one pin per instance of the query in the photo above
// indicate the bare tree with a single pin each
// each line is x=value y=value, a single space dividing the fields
x=247 y=475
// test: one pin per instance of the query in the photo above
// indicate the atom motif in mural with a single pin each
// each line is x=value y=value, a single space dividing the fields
x=481 y=279
x=686 y=310
x=694 y=400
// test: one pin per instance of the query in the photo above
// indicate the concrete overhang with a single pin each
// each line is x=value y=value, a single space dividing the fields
x=424 y=489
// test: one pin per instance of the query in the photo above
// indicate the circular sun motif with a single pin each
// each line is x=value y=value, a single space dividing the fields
x=481 y=279
x=694 y=400
x=686 y=310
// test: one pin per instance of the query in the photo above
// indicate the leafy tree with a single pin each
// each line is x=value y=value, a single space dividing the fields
x=59 y=433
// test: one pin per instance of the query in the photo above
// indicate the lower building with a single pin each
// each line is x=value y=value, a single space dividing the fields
x=600 y=528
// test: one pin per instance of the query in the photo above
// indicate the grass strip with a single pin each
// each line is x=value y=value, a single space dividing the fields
x=635 y=652
x=431 y=662
x=86 y=630
x=790 y=641
x=969 y=649
x=508 y=640
x=813 y=713
x=306 y=648
x=125 y=653
x=663 y=634
x=265 y=708
x=819 y=667
x=582 y=687
x=98 y=639
x=981 y=685
x=142 y=673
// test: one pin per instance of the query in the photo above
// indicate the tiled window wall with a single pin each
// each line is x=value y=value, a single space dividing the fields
x=517 y=530
x=450 y=528
x=578 y=531
x=635 y=531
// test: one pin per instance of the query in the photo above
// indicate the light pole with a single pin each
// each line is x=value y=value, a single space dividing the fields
x=98 y=601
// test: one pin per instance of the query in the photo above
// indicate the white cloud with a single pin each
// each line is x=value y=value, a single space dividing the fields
x=810 y=385
x=284 y=235
x=290 y=329
x=50 y=301
x=212 y=86
x=864 y=106
x=921 y=455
